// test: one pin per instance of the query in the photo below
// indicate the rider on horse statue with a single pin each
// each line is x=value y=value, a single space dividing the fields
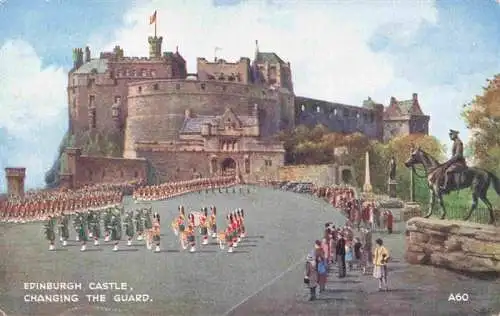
x=456 y=163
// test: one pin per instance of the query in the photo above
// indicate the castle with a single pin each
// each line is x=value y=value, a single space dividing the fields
x=223 y=118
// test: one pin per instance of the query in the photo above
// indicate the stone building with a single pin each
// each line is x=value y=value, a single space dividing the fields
x=223 y=118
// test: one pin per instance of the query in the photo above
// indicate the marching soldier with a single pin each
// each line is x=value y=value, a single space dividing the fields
x=50 y=233
x=139 y=225
x=190 y=236
x=213 y=221
x=76 y=225
x=204 y=226
x=82 y=231
x=229 y=234
x=129 y=227
x=64 y=228
x=95 y=228
x=156 y=231
x=107 y=224
x=116 y=230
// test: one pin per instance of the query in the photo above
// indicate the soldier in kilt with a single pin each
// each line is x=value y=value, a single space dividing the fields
x=76 y=225
x=204 y=226
x=147 y=218
x=95 y=228
x=156 y=232
x=116 y=230
x=190 y=231
x=139 y=225
x=129 y=227
x=50 y=233
x=64 y=228
x=213 y=221
x=90 y=222
x=107 y=224
x=82 y=231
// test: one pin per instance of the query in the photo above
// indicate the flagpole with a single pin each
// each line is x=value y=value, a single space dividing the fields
x=156 y=16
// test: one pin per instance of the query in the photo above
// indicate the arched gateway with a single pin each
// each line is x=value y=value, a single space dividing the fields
x=228 y=166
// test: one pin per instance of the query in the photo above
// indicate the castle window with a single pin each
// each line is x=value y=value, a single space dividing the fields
x=372 y=118
x=91 y=101
x=247 y=165
x=139 y=89
x=268 y=163
x=318 y=109
x=118 y=99
x=224 y=88
x=302 y=107
x=136 y=174
x=133 y=73
x=90 y=174
x=74 y=82
x=221 y=77
x=155 y=86
x=93 y=118
x=144 y=73
x=177 y=87
x=74 y=103
x=90 y=82
x=203 y=86
x=231 y=78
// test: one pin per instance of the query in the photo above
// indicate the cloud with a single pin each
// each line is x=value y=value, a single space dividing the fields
x=33 y=111
x=327 y=44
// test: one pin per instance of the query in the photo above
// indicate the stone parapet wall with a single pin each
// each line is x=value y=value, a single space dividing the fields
x=455 y=245
x=321 y=175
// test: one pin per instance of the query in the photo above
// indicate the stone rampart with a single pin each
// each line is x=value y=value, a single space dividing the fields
x=321 y=175
x=456 y=245
x=90 y=170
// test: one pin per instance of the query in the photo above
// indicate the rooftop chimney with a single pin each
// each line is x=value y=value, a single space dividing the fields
x=415 y=97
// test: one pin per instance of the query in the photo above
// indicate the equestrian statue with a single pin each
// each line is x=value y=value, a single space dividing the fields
x=454 y=175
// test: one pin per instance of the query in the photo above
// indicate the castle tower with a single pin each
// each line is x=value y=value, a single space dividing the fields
x=77 y=58
x=87 y=54
x=15 y=181
x=155 y=46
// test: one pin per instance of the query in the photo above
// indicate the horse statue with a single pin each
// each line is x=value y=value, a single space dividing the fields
x=477 y=179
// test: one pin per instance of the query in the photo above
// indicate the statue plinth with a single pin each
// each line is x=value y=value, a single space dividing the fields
x=392 y=188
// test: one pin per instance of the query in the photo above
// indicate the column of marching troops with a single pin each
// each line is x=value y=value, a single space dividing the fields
x=96 y=209
x=359 y=212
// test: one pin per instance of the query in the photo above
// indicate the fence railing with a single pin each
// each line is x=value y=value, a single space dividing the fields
x=480 y=215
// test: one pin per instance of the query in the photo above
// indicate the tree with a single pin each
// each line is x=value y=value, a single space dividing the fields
x=482 y=116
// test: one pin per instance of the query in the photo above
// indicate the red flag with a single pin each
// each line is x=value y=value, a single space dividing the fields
x=152 y=19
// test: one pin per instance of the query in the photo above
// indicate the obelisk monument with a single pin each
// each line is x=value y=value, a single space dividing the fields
x=367 y=187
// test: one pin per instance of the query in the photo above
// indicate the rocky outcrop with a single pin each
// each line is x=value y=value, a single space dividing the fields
x=455 y=245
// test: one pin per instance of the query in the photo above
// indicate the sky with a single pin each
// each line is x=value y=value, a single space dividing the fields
x=341 y=51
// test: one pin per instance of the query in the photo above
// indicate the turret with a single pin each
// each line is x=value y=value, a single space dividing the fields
x=77 y=58
x=87 y=54
x=155 y=46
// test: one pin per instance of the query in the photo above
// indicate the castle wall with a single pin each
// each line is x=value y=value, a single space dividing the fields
x=206 y=69
x=182 y=165
x=107 y=170
x=156 y=109
x=396 y=127
x=321 y=175
x=339 y=118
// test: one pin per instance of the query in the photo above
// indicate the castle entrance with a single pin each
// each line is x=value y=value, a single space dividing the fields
x=228 y=167
x=347 y=176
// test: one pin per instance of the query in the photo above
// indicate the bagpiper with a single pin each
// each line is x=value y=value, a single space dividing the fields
x=229 y=234
x=64 y=228
x=50 y=233
x=129 y=227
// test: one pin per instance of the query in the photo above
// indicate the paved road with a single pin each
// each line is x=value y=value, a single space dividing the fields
x=281 y=228
x=264 y=276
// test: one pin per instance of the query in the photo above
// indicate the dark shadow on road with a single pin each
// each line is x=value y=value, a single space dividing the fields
x=171 y=250
x=345 y=281
x=246 y=245
x=241 y=251
x=128 y=250
x=60 y=249
x=258 y=236
x=208 y=251
x=93 y=249
x=342 y=290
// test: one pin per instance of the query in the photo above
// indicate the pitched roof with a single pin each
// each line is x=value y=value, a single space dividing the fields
x=271 y=58
x=405 y=107
x=100 y=65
